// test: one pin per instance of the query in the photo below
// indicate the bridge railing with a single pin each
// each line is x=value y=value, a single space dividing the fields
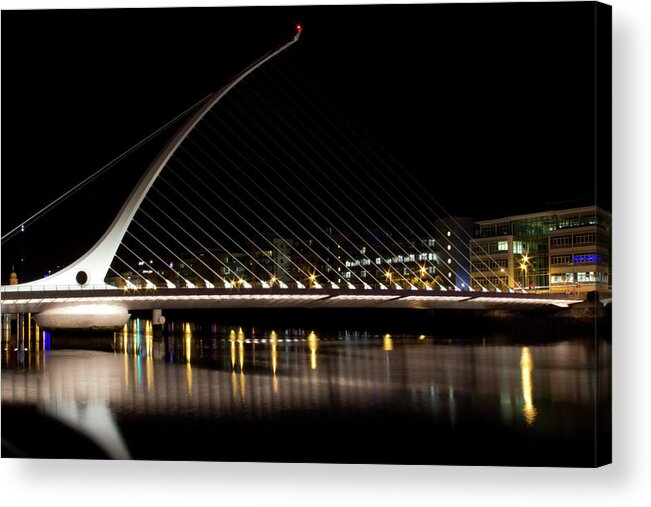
x=55 y=288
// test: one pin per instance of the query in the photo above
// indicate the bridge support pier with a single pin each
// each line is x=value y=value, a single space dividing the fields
x=87 y=317
x=157 y=317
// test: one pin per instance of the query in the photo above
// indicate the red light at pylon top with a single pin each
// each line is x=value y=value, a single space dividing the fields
x=299 y=28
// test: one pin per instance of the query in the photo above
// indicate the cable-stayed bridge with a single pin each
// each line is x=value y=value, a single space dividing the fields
x=267 y=196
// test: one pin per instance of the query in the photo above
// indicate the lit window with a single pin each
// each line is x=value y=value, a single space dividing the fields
x=562 y=278
x=586 y=277
x=502 y=246
x=519 y=247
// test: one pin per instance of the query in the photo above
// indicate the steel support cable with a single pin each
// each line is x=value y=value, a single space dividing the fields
x=401 y=275
x=302 y=197
x=273 y=230
x=132 y=270
x=262 y=282
x=253 y=275
x=248 y=161
x=147 y=264
x=127 y=282
x=360 y=180
x=190 y=235
x=379 y=186
x=260 y=188
x=97 y=173
x=463 y=269
x=199 y=277
x=284 y=179
x=332 y=196
x=315 y=80
x=187 y=282
x=407 y=268
x=461 y=253
x=179 y=242
x=224 y=249
x=420 y=199
x=186 y=168
x=363 y=197
x=270 y=242
x=260 y=249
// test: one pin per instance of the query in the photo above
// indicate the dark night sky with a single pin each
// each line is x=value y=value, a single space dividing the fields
x=489 y=107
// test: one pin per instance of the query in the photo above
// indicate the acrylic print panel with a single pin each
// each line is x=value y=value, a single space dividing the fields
x=352 y=234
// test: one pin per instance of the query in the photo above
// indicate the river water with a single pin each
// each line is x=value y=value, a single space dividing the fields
x=242 y=393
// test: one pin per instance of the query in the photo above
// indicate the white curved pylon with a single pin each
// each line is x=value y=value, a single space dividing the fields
x=92 y=267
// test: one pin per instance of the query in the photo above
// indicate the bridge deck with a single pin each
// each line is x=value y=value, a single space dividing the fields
x=38 y=300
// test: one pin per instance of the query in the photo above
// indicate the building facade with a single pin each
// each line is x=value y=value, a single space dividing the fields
x=579 y=252
x=558 y=251
x=438 y=258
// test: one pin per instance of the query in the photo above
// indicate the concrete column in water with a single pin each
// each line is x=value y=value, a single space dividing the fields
x=157 y=317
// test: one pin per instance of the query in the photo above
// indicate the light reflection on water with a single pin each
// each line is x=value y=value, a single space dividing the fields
x=526 y=365
x=250 y=374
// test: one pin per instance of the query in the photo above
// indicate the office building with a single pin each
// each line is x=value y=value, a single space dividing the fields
x=558 y=251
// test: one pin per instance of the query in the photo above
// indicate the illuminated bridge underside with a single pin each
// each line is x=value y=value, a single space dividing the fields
x=37 y=301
